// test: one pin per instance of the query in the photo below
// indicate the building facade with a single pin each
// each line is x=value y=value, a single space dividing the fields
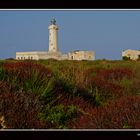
x=81 y=55
x=53 y=51
x=131 y=54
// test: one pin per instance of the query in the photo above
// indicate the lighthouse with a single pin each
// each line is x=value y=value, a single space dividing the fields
x=53 y=51
x=53 y=33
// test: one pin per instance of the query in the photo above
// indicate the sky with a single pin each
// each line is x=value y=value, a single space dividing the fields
x=106 y=32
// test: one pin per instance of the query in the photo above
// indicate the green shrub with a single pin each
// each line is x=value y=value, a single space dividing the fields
x=59 y=115
x=125 y=58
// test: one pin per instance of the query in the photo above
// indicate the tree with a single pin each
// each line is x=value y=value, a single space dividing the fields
x=126 y=58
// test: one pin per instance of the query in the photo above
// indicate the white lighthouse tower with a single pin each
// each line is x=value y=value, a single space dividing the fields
x=53 y=32
x=53 y=51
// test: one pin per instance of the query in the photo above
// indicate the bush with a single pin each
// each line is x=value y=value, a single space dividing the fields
x=29 y=77
x=6 y=87
x=20 y=110
x=110 y=74
x=104 y=84
x=59 y=115
x=125 y=58
x=122 y=113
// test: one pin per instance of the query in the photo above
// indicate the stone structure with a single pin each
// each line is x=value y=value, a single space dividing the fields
x=40 y=55
x=53 y=45
x=132 y=54
x=53 y=52
x=81 y=55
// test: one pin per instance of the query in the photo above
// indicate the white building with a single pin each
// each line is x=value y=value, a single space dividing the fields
x=53 y=51
x=132 y=54
x=81 y=55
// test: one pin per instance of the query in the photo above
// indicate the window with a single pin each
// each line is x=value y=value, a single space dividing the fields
x=72 y=57
x=28 y=57
x=31 y=57
x=21 y=58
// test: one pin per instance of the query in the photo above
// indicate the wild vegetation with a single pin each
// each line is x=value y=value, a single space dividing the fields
x=70 y=94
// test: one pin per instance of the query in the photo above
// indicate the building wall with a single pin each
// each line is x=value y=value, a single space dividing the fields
x=27 y=55
x=81 y=55
x=132 y=54
x=41 y=55
x=76 y=55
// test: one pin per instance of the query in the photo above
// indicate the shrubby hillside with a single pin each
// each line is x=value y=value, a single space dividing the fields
x=70 y=94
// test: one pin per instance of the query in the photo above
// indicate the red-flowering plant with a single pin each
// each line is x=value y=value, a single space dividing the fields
x=122 y=113
x=29 y=76
x=20 y=110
